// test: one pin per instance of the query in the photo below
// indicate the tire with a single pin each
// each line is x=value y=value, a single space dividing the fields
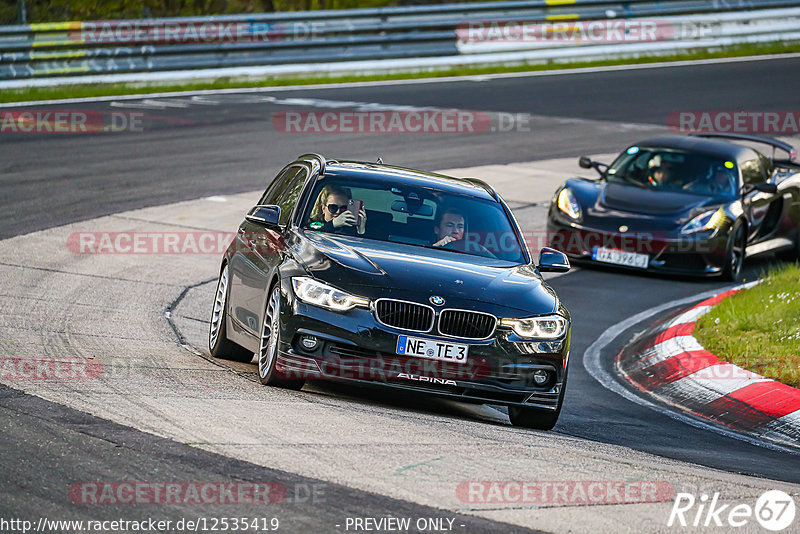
x=218 y=343
x=537 y=418
x=735 y=253
x=270 y=341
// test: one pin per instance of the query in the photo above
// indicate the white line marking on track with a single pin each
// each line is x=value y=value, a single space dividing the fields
x=591 y=361
x=150 y=103
x=203 y=101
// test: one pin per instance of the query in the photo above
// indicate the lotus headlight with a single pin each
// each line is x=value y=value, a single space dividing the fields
x=316 y=293
x=710 y=220
x=568 y=204
x=545 y=327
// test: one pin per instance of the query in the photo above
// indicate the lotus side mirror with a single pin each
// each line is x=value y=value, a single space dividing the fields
x=552 y=261
x=585 y=162
x=266 y=216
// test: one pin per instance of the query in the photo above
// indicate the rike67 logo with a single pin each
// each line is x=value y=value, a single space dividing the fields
x=774 y=510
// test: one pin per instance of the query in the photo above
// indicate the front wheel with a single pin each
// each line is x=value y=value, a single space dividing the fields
x=218 y=343
x=270 y=344
x=735 y=253
x=537 y=418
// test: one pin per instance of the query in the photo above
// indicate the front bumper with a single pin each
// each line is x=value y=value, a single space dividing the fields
x=353 y=347
x=669 y=253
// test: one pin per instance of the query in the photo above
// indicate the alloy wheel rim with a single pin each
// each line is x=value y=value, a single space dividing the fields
x=268 y=346
x=219 y=307
x=737 y=257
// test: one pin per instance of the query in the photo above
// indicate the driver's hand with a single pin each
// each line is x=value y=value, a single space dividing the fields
x=344 y=219
x=445 y=240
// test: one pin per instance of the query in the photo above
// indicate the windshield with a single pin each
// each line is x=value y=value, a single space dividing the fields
x=676 y=171
x=413 y=215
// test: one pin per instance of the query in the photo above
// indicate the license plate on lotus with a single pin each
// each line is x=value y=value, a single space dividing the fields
x=432 y=349
x=620 y=257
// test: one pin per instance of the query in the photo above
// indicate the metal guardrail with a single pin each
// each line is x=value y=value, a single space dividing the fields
x=150 y=45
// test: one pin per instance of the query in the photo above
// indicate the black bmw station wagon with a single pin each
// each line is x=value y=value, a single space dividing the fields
x=385 y=276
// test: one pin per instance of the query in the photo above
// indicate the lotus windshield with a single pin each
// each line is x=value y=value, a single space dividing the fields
x=675 y=171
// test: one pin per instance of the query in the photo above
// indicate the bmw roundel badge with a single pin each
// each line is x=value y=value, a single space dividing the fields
x=436 y=300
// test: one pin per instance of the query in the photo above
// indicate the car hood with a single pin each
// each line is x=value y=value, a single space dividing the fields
x=630 y=198
x=378 y=269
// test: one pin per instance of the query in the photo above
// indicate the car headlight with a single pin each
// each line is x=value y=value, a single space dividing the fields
x=316 y=293
x=568 y=204
x=710 y=220
x=545 y=327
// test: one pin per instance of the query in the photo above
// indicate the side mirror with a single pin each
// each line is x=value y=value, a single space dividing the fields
x=765 y=187
x=552 y=261
x=264 y=215
x=587 y=163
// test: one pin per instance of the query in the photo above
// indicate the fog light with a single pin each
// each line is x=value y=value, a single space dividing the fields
x=309 y=342
x=540 y=377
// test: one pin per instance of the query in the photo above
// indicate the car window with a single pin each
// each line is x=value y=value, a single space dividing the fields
x=674 y=171
x=279 y=185
x=417 y=216
x=290 y=193
x=752 y=173
x=769 y=168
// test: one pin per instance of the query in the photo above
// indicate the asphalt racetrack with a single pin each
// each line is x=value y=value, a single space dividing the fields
x=365 y=449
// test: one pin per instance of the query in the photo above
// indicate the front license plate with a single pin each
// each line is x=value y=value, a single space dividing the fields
x=431 y=349
x=620 y=257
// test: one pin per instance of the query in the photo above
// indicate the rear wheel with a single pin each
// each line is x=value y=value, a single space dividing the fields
x=735 y=253
x=537 y=418
x=218 y=343
x=270 y=343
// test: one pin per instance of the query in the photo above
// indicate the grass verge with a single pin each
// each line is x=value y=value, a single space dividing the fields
x=83 y=91
x=759 y=328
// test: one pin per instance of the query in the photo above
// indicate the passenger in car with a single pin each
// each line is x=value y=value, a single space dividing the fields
x=330 y=212
x=718 y=181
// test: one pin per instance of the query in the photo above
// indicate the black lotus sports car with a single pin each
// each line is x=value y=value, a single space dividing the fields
x=384 y=276
x=693 y=205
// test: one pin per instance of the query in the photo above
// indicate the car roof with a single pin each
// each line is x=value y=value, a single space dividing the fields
x=712 y=147
x=401 y=175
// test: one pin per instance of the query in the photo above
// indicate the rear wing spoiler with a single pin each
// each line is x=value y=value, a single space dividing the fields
x=789 y=162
